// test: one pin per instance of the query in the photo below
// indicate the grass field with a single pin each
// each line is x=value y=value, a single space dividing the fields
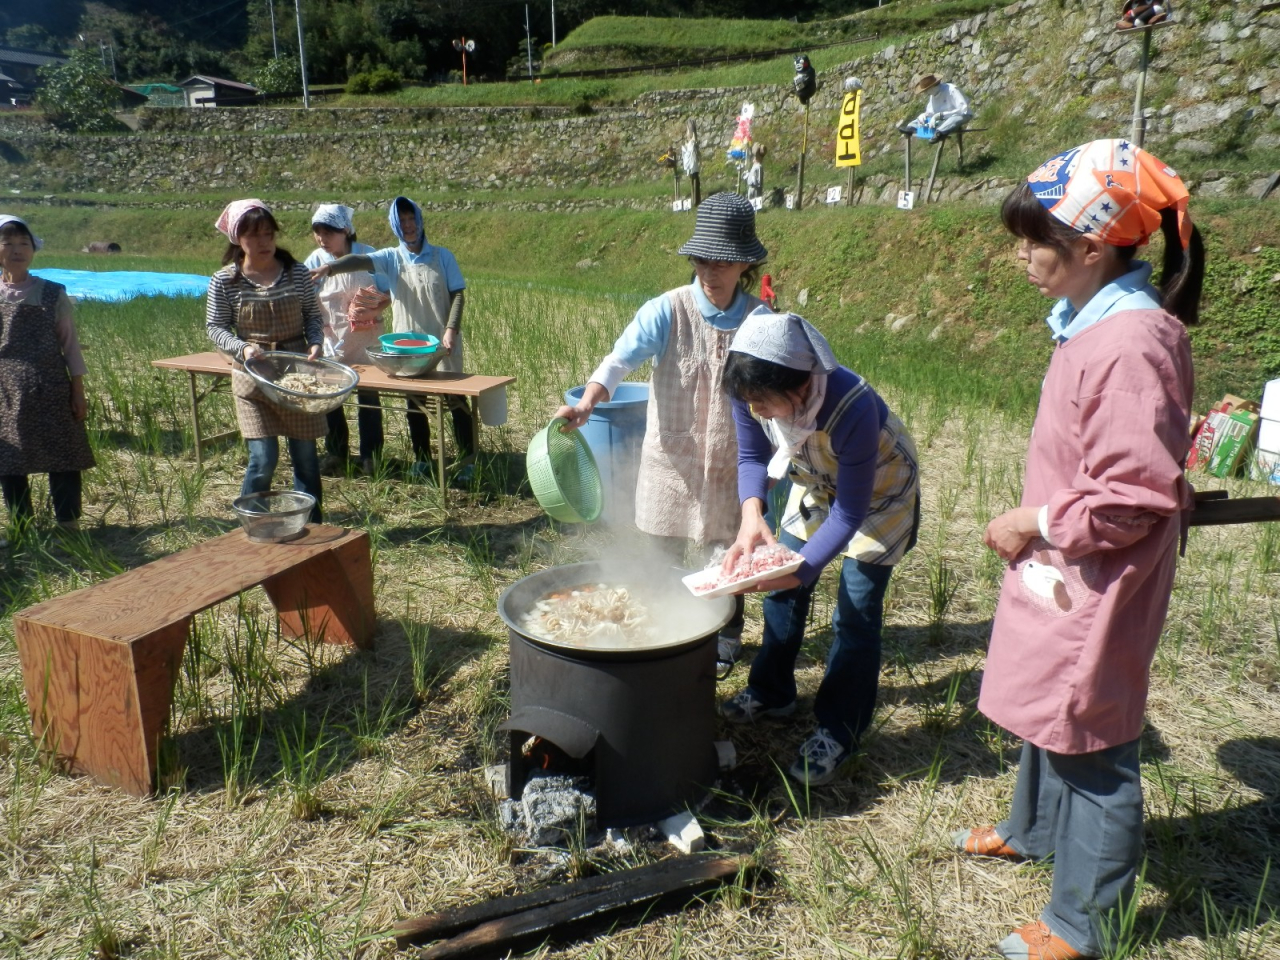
x=314 y=796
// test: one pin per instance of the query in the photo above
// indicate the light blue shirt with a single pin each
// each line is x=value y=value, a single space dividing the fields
x=647 y=334
x=1133 y=291
x=388 y=261
x=318 y=256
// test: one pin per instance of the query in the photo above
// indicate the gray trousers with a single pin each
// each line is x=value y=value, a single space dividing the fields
x=1084 y=810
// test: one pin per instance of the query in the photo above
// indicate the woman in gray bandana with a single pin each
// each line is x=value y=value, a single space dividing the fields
x=855 y=492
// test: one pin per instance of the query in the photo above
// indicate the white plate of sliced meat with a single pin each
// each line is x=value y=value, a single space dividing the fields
x=763 y=563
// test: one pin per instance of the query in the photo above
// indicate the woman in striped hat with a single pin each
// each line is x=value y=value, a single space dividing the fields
x=687 y=491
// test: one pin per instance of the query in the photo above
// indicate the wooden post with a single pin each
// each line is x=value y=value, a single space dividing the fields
x=1138 y=131
x=910 y=136
x=804 y=148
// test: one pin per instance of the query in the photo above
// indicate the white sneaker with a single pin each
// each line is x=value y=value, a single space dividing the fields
x=820 y=757
x=746 y=707
x=728 y=652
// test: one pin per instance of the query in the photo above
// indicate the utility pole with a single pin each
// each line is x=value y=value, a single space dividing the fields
x=302 y=55
x=553 y=24
x=528 y=41
x=275 y=44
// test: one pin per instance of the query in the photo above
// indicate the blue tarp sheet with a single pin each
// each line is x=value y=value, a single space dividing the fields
x=117 y=285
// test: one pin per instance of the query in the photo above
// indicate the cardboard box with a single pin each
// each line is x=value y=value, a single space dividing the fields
x=1265 y=465
x=1231 y=403
x=1205 y=440
x=1234 y=439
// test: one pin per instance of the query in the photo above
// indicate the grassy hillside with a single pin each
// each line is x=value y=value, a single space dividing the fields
x=629 y=41
x=948 y=267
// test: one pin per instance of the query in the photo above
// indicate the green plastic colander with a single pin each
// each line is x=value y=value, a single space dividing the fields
x=563 y=474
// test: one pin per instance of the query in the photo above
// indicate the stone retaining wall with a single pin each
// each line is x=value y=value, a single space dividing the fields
x=1003 y=60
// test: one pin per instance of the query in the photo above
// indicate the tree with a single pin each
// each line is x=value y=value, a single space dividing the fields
x=281 y=75
x=32 y=36
x=77 y=95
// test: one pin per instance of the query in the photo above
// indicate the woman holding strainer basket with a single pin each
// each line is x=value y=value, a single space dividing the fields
x=263 y=299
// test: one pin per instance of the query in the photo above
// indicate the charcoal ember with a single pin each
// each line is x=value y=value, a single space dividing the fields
x=556 y=808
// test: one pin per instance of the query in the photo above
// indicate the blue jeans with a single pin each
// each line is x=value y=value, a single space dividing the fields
x=846 y=697
x=1086 y=811
x=264 y=454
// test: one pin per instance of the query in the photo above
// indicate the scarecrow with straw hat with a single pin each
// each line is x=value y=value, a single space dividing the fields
x=946 y=110
x=686 y=493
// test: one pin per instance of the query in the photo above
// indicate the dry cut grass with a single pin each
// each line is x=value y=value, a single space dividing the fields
x=316 y=795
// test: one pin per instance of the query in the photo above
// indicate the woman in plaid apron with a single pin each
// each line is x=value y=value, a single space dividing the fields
x=855 y=492
x=685 y=482
x=263 y=299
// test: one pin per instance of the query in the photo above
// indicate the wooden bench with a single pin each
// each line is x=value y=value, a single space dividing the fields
x=99 y=664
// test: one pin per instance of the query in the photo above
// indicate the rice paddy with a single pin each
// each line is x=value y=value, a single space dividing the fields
x=312 y=796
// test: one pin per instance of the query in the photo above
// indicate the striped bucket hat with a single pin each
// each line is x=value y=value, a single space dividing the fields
x=725 y=230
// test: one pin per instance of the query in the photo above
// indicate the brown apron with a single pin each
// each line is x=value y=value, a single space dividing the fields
x=272 y=325
x=38 y=434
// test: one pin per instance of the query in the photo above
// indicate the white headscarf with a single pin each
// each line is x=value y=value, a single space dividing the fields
x=790 y=341
x=10 y=218
x=335 y=215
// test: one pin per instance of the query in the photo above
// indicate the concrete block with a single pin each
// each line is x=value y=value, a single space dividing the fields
x=684 y=832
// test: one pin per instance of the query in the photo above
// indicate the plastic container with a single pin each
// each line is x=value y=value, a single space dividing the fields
x=563 y=475
x=415 y=343
x=615 y=432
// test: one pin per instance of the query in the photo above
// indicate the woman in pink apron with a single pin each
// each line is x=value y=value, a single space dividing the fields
x=687 y=492
x=1092 y=548
x=263 y=299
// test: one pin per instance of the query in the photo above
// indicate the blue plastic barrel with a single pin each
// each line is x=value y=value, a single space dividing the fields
x=615 y=431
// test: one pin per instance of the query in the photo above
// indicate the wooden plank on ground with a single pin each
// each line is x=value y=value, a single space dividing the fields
x=488 y=927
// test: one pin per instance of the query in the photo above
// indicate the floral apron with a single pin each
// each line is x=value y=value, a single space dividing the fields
x=38 y=434
x=272 y=325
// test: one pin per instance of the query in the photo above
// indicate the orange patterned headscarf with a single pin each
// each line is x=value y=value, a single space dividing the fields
x=1112 y=190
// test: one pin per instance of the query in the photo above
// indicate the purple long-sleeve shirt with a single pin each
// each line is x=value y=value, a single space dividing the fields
x=855 y=442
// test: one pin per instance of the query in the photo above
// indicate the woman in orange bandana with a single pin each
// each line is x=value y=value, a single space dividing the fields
x=1091 y=550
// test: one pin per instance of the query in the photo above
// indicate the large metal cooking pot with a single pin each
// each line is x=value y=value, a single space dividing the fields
x=643 y=716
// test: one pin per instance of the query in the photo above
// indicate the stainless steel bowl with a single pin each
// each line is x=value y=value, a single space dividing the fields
x=404 y=364
x=274 y=516
x=333 y=381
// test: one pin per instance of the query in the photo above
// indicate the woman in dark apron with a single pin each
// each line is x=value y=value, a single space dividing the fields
x=263 y=299
x=42 y=402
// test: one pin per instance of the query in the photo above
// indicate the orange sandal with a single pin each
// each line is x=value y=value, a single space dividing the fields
x=984 y=842
x=1036 y=942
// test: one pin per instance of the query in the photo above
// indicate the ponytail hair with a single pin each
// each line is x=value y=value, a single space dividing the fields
x=1182 y=278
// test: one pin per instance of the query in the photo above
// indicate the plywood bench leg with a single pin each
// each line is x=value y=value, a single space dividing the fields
x=329 y=596
x=101 y=705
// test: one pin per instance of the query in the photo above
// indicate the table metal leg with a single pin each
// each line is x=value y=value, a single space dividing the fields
x=440 y=475
x=195 y=416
